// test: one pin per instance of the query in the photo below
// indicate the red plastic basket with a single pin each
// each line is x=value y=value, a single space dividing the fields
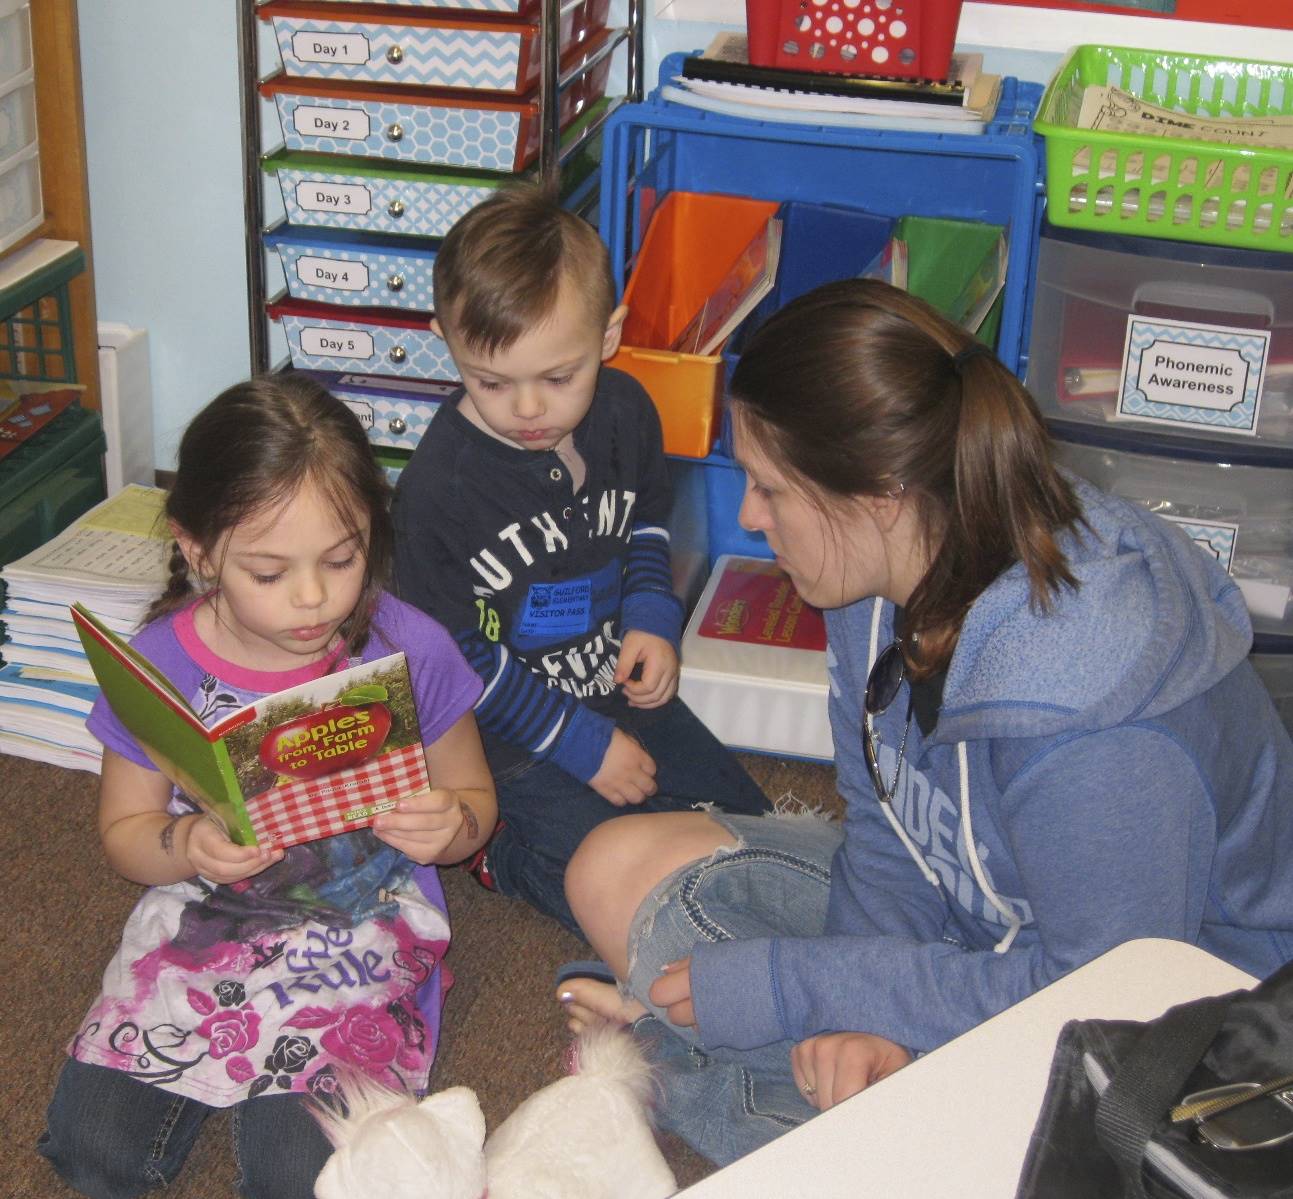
x=909 y=39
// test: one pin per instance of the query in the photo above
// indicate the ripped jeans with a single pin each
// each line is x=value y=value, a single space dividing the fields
x=726 y=1103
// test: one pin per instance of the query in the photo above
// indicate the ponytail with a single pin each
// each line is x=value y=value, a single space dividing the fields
x=1008 y=504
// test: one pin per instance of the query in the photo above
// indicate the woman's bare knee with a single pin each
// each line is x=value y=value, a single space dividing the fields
x=620 y=862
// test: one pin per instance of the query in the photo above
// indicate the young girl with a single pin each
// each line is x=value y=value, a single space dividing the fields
x=247 y=977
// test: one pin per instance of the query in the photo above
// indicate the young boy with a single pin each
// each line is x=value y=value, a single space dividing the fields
x=530 y=521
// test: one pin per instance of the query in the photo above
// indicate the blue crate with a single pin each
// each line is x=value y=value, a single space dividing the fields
x=657 y=146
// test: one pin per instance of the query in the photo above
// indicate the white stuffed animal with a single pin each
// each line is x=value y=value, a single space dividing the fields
x=586 y=1136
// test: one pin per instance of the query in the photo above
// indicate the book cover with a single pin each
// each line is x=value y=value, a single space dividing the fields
x=311 y=761
x=747 y=281
x=756 y=602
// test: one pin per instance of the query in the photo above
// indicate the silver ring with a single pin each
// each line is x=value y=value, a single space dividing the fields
x=808 y=1090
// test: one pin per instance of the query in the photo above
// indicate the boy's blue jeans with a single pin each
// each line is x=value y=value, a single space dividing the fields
x=111 y=1136
x=546 y=812
x=724 y=1102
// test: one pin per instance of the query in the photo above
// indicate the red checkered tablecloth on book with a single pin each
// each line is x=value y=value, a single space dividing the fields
x=292 y=812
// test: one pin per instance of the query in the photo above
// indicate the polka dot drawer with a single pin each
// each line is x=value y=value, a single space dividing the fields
x=372 y=341
x=355 y=269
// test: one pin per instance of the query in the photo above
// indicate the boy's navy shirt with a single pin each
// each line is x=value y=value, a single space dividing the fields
x=539 y=583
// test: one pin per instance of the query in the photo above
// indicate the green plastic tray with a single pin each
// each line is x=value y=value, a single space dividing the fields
x=1175 y=188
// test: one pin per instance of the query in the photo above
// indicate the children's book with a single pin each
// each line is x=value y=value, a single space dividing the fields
x=314 y=760
x=747 y=281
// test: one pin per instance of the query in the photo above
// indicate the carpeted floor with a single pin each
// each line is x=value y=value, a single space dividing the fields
x=64 y=909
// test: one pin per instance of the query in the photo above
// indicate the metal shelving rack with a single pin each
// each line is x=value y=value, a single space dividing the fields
x=552 y=155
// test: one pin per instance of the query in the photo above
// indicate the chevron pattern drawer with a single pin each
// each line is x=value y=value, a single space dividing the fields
x=429 y=51
x=489 y=130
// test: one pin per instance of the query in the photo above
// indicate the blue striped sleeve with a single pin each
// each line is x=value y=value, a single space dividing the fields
x=649 y=603
x=548 y=723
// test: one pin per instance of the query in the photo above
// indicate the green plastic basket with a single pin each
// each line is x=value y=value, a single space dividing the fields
x=1175 y=188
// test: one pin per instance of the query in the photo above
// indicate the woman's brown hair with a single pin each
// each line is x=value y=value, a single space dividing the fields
x=252 y=448
x=858 y=388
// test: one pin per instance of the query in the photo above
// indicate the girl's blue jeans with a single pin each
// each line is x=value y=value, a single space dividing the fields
x=726 y=1103
x=546 y=813
x=110 y=1136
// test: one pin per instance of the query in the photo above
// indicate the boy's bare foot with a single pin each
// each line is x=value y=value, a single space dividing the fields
x=589 y=1001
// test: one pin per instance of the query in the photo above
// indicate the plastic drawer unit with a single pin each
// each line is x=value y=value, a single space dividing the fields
x=366 y=341
x=373 y=196
x=477 y=129
x=1234 y=500
x=394 y=412
x=21 y=205
x=355 y=269
x=1195 y=341
x=50 y=480
x=445 y=50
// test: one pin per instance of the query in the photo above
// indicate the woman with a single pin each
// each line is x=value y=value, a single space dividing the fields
x=1046 y=731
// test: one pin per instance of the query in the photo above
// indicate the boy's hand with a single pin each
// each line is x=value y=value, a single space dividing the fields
x=657 y=681
x=212 y=855
x=831 y=1067
x=423 y=825
x=627 y=775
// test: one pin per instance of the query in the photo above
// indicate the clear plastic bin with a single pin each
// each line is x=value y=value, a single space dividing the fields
x=1240 y=509
x=1221 y=317
x=1276 y=671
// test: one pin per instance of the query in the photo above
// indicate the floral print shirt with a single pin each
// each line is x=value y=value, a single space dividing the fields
x=330 y=959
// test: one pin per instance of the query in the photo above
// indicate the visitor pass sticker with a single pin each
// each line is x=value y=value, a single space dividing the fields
x=1180 y=373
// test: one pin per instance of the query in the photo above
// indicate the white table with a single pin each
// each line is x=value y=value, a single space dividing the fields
x=955 y=1124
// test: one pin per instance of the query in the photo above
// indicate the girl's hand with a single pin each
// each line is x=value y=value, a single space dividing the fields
x=831 y=1067
x=424 y=825
x=657 y=680
x=672 y=991
x=217 y=859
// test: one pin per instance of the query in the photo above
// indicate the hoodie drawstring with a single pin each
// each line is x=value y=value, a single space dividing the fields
x=1013 y=921
x=887 y=808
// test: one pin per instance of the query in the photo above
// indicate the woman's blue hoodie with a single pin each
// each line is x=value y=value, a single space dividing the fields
x=1116 y=764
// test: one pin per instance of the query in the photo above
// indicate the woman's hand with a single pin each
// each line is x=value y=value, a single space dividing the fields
x=213 y=856
x=831 y=1067
x=672 y=991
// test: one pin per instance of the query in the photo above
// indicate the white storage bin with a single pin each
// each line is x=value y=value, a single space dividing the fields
x=1159 y=336
x=20 y=203
x=1235 y=501
x=761 y=684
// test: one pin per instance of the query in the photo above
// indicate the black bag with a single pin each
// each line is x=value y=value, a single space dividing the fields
x=1104 y=1130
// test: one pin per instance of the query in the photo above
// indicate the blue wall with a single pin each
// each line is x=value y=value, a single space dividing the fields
x=162 y=130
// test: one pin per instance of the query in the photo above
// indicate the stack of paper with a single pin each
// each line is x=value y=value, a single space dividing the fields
x=114 y=559
x=722 y=80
